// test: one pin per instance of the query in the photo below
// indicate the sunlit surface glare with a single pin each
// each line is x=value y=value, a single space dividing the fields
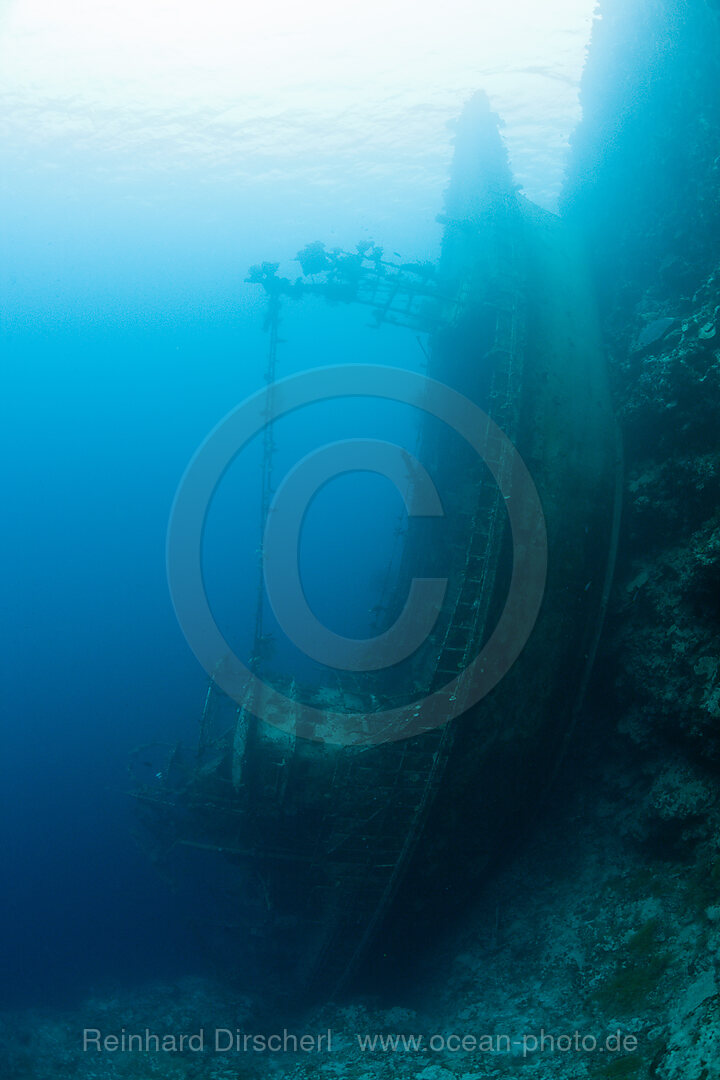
x=254 y=90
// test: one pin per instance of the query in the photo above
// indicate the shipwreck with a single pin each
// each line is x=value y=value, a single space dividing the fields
x=309 y=852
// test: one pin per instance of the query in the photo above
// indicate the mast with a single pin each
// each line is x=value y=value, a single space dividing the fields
x=272 y=325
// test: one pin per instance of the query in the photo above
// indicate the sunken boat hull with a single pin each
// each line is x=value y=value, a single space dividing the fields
x=308 y=851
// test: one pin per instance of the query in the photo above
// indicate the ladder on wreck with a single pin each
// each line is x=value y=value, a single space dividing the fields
x=429 y=756
x=468 y=618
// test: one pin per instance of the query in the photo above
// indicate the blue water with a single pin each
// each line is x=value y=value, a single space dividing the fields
x=128 y=225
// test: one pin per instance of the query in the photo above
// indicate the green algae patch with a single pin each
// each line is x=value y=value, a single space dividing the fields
x=635 y=979
x=624 y=1068
x=629 y=988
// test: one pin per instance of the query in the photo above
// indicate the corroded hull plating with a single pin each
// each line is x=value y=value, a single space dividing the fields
x=308 y=850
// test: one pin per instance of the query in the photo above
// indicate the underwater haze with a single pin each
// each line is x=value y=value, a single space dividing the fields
x=153 y=152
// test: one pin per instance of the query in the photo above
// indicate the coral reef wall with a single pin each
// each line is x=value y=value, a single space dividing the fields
x=644 y=187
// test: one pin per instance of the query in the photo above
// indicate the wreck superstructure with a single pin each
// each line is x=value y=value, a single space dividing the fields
x=308 y=849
